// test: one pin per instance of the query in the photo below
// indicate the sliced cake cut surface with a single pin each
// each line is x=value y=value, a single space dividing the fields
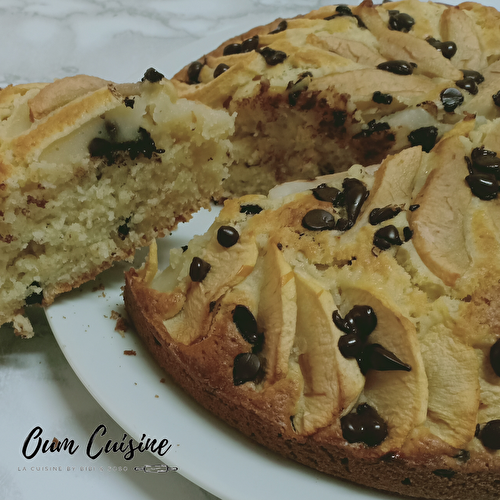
x=90 y=171
x=343 y=85
x=349 y=323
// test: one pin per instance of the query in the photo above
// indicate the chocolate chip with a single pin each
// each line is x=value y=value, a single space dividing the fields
x=318 y=220
x=462 y=456
x=401 y=22
x=355 y=194
x=444 y=473
x=326 y=193
x=361 y=320
x=273 y=57
x=377 y=357
x=380 y=98
x=412 y=208
x=250 y=209
x=232 y=48
x=129 y=102
x=250 y=44
x=496 y=98
x=282 y=26
x=184 y=248
x=221 y=68
x=407 y=233
x=398 y=67
x=406 y=481
x=343 y=224
x=193 y=72
x=387 y=235
x=227 y=236
x=484 y=186
x=378 y=215
x=293 y=97
x=246 y=323
x=211 y=306
x=198 y=269
x=495 y=357
x=485 y=161
x=424 y=136
x=373 y=127
x=448 y=49
x=473 y=75
x=489 y=435
x=343 y=10
x=144 y=145
x=246 y=368
x=124 y=229
x=350 y=345
x=364 y=426
x=468 y=84
x=153 y=76
x=35 y=297
x=451 y=99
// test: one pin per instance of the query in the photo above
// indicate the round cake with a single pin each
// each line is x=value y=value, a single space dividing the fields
x=345 y=85
x=349 y=323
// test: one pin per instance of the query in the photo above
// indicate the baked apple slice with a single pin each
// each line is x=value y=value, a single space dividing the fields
x=332 y=383
x=277 y=313
x=438 y=223
x=452 y=372
x=396 y=390
x=211 y=271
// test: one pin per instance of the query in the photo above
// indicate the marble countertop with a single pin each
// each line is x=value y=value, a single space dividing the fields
x=116 y=40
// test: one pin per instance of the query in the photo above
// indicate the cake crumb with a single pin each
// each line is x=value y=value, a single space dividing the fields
x=156 y=396
x=162 y=380
x=121 y=326
x=98 y=288
x=129 y=352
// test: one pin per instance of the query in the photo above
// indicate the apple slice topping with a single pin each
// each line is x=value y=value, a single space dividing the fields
x=331 y=383
x=277 y=311
x=214 y=271
x=396 y=383
x=438 y=225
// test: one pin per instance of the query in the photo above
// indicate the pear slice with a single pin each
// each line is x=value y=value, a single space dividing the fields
x=400 y=397
x=452 y=372
x=438 y=223
x=229 y=266
x=332 y=383
x=277 y=315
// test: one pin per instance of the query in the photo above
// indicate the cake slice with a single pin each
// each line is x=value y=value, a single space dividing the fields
x=90 y=171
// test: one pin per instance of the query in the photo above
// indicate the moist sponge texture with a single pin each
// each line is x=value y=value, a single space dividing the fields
x=89 y=172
